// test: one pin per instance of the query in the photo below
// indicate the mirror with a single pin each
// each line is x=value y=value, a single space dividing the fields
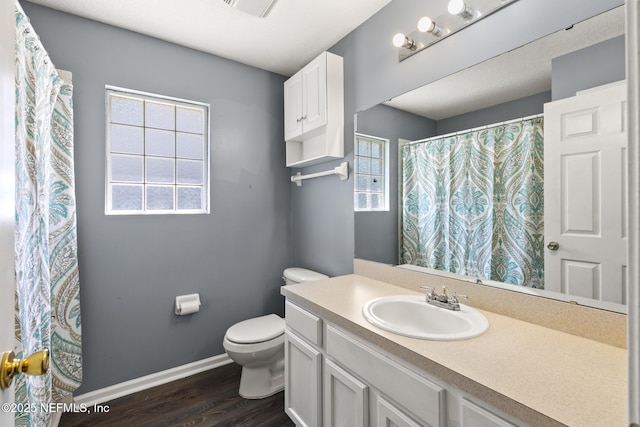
x=513 y=85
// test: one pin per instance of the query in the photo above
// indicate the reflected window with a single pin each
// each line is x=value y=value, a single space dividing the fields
x=157 y=154
x=371 y=188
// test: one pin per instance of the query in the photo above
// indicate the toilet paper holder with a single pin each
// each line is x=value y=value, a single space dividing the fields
x=187 y=304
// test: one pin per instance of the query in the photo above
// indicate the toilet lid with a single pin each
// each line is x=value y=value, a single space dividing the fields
x=255 y=330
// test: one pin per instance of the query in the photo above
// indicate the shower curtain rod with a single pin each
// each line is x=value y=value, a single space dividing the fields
x=460 y=132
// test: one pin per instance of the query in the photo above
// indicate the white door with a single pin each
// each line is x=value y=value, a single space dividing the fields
x=7 y=189
x=293 y=107
x=390 y=415
x=585 y=150
x=314 y=97
x=302 y=382
x=346 y=399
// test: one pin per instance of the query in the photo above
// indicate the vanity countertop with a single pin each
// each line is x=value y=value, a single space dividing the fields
x=539 y=375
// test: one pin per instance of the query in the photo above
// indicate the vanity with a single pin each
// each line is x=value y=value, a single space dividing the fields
x=343 y=371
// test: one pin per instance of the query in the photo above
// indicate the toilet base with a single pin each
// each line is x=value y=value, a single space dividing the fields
x=265 y=381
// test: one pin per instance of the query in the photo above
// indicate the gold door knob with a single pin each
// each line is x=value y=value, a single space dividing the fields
x=36 y=364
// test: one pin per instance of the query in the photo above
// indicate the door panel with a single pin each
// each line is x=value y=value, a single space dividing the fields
x=585 y=194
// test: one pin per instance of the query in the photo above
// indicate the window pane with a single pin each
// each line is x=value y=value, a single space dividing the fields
x=376 y=167
x=127 y=139
x=375 y=201
x=376 y=149
x=189 y=120
x=162 y=116
x=189 y=198
x=159 y=198
x=189 y=145
x=160 y=170
x=126 y=110
x=364 y=148
x=364 y=165
x=362 y=201
x=189 y=172
x=363 y=182
x=126 y=168
x=160 y=143
x=126 y=197
x=377 y=184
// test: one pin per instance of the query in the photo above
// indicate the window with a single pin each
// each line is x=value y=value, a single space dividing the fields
x=157 y=154
x=371 y=174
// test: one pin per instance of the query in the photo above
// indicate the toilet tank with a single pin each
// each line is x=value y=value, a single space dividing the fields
x=300 y=275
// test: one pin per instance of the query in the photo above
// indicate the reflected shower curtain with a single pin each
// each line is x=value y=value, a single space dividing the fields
x=472 y=203
x=47 y=296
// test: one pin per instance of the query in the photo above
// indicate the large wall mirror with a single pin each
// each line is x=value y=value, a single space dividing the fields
x=509 y=87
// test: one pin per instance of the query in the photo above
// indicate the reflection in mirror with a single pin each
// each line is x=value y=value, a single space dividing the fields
x=511 y=86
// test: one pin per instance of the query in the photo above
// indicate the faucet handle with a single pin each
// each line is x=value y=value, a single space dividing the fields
x=431 y=294
x=454 y=297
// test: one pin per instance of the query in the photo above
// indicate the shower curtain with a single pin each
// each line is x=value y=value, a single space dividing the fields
x=47 y=295
x=472 y=203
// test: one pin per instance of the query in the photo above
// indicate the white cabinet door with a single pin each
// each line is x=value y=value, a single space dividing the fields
x=585 y=150
x=346 y=399
x=476 y=416
x=293 y=107
x=303 y=382
x=390 y=415
x=314 y=95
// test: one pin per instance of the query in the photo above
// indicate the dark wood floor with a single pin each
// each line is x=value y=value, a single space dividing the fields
x=206 y=399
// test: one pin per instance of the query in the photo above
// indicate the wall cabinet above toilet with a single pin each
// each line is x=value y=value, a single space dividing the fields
x=314 y=112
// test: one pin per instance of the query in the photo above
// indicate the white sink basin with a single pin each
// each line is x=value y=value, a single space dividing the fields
x=411 y=316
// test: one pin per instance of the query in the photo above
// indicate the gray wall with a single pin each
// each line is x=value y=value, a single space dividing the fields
x=589 y=67
x=376 y=233
x=322 y=213
x=523 y=107
x=132 y=267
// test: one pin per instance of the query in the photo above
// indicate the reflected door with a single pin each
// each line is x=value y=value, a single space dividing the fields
x=585 y=194
x=7 y=193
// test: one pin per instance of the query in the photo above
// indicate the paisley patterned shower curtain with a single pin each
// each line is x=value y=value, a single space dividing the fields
x=472 y=203
x=47 y=297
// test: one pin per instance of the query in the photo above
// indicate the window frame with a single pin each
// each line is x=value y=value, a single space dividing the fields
x=111 y=91
x=385 y=203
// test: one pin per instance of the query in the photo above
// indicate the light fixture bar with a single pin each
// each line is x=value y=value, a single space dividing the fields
x=461 y=14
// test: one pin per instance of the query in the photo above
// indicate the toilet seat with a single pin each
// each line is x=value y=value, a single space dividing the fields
x=272 y=344
x=256 y=330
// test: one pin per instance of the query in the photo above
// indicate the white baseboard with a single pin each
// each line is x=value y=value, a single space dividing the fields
x=128 y=387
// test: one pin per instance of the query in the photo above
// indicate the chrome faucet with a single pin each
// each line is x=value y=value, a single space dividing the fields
x=443 y=300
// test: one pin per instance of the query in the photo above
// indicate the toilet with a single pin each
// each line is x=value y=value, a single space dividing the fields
x=257 y=345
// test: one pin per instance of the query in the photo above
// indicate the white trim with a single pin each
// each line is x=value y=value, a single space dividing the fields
x=138 y=384
x=632 y=13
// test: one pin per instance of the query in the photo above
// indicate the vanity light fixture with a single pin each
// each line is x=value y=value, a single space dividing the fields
x=460 y=14
x=400 y=40
x=428 y=25
x=460 y=8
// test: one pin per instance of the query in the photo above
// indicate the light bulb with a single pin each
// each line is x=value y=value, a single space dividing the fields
x=458 y=7
x=400 y=40
x=428 y=25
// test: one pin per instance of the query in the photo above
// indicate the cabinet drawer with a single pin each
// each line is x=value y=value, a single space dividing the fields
x=418 y=395
x=476 y=416
x=304 y=323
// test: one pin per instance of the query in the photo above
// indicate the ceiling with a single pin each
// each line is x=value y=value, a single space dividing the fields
x=292 y=34
x=513 y=75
